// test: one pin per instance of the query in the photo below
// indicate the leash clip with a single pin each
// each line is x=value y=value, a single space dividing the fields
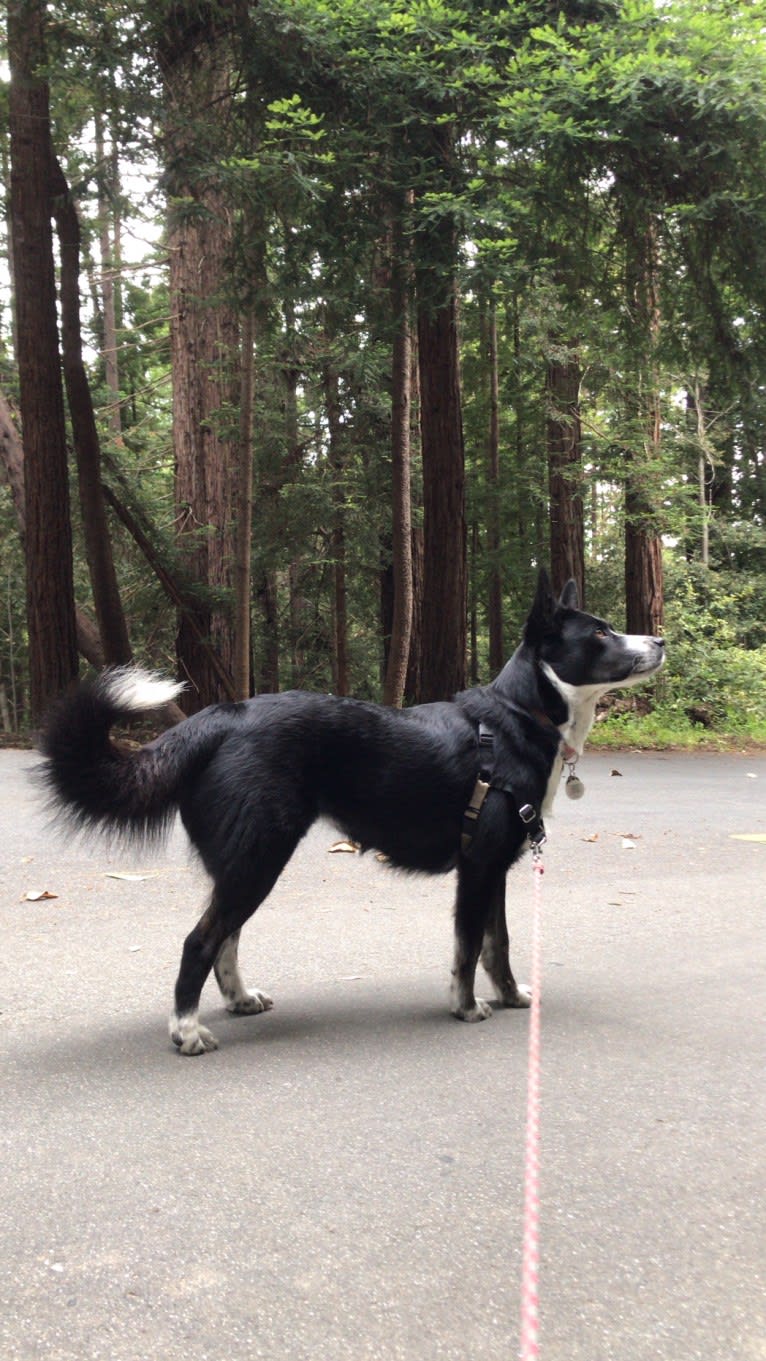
x=535 y=831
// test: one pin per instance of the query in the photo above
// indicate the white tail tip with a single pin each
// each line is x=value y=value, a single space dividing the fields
x=133 y=688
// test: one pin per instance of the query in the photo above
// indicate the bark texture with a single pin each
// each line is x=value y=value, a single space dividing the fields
x=98 y=547
x=400 y=298
x=203 y=337
x=48 y=544
x=644 y=587
x=444 y=526
x=563 y=439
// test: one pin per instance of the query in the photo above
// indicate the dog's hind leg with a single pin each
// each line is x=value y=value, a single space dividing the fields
x=495 y=955
x=240 y=1000
x=471 y=910
x=212 y=942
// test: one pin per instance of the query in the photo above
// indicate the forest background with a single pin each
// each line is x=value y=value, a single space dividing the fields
x=324 y=323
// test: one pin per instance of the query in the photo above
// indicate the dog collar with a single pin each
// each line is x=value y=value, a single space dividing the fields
x=570 y=754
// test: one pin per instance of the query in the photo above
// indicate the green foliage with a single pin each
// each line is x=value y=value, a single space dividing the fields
x=714 y=681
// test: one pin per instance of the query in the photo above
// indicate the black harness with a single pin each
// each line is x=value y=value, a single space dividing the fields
x=530 y=816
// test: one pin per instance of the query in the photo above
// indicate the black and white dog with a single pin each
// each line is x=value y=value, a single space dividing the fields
x=435 y=787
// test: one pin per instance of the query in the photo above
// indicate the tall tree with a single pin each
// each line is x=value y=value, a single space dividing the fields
x=242 y=569
x=335 y=454
x=441 y=426
x=563 y=429
x=495 y=588
x=195 y=60
x=107 y=170
x=48 y=547
x=12 y=471
x=98 y=547
x=644 y=586
x=401 y=490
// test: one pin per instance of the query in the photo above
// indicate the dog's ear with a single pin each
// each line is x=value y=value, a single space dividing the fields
x=543 y=609
x=570 y=596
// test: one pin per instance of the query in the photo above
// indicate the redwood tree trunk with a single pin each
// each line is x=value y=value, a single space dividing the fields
x=244 y=512
x=110 y=264
x=644 y=588
x=444 y=526
x=444 y=617
x=643 y=573
x=563 y=438
x=414 y=662
x=338 y=535
x=401 y=504
x=48 y=545
x=495 y=603
x=98 y=547
x=12 y=470
x=203 y=336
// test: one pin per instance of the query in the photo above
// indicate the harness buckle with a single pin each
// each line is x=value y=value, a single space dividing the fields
x=486 y=736
x=535 y=829
x=471 y=814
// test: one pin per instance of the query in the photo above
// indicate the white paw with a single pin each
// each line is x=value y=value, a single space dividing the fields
x=523 y=996
x=480 y=1011
x=250 y=1003
x=190 y=1037
x=201 y=1041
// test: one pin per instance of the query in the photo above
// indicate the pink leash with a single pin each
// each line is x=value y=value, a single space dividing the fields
x=530 y=1254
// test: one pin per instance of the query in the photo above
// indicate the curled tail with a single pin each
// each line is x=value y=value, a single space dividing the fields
x=96 y=784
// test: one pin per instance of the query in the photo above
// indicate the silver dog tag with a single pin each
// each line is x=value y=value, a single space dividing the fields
x=574 y=787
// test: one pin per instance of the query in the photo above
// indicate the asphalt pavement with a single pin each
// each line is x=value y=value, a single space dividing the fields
x=343 y=1177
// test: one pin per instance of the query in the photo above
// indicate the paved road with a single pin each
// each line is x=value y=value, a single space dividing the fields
x=342 y=1178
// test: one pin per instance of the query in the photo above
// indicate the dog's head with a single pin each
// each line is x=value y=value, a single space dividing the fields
x=580 y=650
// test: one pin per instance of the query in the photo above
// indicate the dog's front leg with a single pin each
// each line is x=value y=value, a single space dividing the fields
x=201 y=949
x=471 y=909
x=495 y=955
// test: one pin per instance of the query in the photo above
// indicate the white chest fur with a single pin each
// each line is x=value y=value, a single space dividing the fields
x=581 y=701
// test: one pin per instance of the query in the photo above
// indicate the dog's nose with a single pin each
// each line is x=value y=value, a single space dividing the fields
x=659 y=641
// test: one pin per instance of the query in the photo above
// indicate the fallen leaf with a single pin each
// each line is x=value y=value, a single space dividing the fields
x=129 y=878
x=627 y=844
x=594 y=837
x=616 y=772
x=349 y=846
x=748 y=836
x=36 y=895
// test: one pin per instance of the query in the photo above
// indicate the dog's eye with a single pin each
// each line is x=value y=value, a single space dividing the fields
x=601 y=632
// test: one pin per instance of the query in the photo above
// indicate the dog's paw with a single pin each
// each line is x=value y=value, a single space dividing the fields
x=190 y=1037
x=250 y=1004
x=480 y=1011
x=200 y=1041
x=523 y=996
x=517 y=996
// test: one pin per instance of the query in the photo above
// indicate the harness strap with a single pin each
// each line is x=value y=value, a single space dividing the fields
x=471 y=814
x=533 y=822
